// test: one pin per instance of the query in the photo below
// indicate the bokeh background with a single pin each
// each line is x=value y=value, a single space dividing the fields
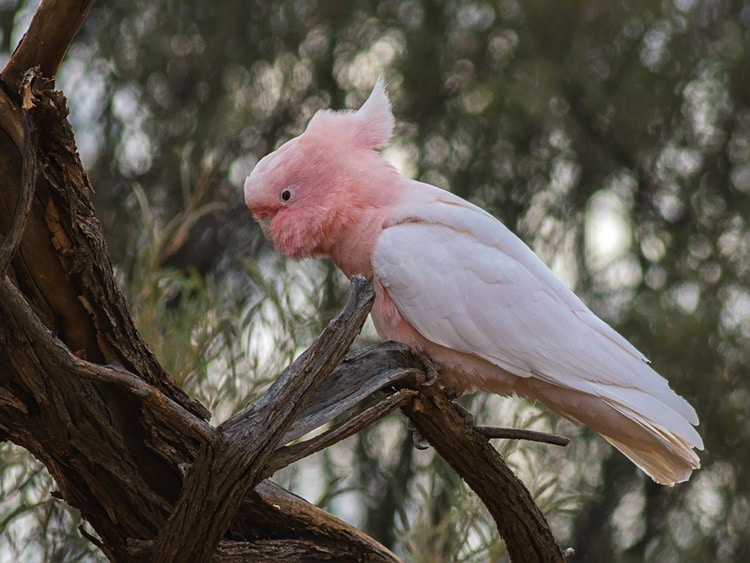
x=613 y=137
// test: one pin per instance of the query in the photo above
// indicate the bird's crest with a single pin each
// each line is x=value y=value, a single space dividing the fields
x=370 y=127
x=375 y=118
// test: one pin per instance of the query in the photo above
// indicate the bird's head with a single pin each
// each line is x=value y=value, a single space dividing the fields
x=301 y=192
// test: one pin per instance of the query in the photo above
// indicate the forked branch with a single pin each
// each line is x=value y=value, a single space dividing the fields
x=232 y=463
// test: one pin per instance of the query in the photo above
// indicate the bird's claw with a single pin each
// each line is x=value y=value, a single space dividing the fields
x=431 y=381
x=452 y=394
x=466 y=415
x=430 y=370
x=416 y=437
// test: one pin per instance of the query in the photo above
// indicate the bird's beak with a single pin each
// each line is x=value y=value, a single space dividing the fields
x=265 y=226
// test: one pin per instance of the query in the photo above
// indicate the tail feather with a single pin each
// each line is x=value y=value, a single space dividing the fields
x=659 y=440
x=667 y=457
x=651 y=411
x=664 y=469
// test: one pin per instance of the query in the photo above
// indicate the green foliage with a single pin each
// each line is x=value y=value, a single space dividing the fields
x=35 y=526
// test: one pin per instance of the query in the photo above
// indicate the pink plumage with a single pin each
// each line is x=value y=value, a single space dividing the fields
x=453 y=282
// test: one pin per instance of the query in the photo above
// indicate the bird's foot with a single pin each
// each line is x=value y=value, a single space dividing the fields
x=416 y=438
x=466 y=415
x=430 y=369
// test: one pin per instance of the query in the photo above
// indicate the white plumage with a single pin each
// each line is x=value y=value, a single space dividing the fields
x=468 y=284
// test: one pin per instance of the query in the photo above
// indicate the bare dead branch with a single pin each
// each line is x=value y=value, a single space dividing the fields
x=55 y=24
x=248 y=439
x=357 y=377
x=519 y=521
x=259 y=550
x=492 y=433
x=287 y=550
x=289 y=454
x=303 y=515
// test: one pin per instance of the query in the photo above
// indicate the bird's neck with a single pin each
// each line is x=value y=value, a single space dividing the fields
x=354 y=245
x=358 y=226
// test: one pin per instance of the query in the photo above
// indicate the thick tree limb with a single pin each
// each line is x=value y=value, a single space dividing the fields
x=331 y=539
x=45 y=340
x=12 y=239
x=305 y=521
x=290 y=550
x=520 y=522
x=55 y=24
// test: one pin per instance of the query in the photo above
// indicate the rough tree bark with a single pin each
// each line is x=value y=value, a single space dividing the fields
x=82 y=392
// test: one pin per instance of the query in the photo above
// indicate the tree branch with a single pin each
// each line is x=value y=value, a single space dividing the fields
x=492 y=433
x=43 y=339
x=326 y=538
x=360 y=375
x=55 y=24
x=289 y=454
x=26 y=196
x=228 y=467
x=519 y=521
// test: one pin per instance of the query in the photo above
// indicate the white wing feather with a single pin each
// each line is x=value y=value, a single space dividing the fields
x=465 y=282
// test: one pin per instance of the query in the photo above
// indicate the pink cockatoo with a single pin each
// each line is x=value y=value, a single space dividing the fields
x=454 y=283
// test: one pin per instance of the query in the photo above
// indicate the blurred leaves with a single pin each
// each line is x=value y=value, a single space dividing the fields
x=34 y=526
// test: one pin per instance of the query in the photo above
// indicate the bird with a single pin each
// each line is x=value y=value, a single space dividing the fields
x=456 y=285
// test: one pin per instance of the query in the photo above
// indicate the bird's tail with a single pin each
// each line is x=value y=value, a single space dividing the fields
x=655 y=434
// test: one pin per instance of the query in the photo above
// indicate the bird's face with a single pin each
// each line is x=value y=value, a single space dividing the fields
x=303 y=192
x=290 y=195
x=265 y=190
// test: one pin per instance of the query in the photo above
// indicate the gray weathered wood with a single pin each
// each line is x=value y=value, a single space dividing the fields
x=358 y=376
x=380 y=407
x=232 y=463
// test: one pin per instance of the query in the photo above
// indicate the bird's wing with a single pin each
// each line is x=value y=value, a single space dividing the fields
x=465 y=282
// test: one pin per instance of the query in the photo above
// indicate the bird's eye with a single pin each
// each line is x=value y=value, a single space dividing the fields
x=286 y=195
